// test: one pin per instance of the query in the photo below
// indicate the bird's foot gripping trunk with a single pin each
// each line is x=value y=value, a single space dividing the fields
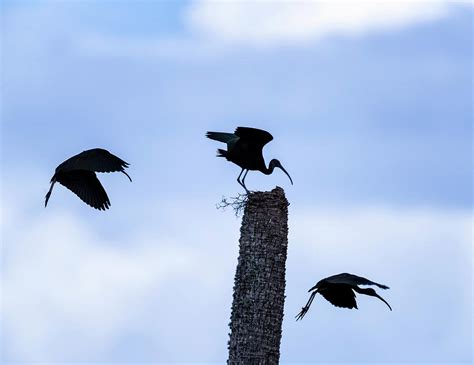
x=259 y=289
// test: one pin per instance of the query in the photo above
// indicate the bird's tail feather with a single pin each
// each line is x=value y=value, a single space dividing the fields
x=220 y=136
x=221 y=153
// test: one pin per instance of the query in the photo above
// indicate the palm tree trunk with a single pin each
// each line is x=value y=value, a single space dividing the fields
x=259 y=289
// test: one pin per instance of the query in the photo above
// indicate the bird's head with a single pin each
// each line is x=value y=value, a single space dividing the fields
x=275 y=163
x=370 y=291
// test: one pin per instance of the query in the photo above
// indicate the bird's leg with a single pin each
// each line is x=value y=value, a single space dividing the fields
x=305 y=309
x=48 y=194
x=238 y=177
x=243 y=181
x=240 y=182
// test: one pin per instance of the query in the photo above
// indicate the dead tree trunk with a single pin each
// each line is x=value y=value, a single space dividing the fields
x=259 y=289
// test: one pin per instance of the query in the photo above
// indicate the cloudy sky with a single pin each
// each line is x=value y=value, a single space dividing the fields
x=370 y=106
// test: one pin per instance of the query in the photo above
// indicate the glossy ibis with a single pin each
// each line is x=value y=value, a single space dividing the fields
x=78 y=175
x=244 y=148
x=339 y=291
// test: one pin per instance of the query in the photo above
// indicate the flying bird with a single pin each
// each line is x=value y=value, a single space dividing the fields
x=339 y=291
x=78 y=175
x=244 y=148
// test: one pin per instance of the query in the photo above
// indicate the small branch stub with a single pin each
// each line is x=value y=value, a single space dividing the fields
x=237 y=203
x=259 y=289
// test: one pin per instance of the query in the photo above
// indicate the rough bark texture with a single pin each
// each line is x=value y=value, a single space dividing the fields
x=259 y=289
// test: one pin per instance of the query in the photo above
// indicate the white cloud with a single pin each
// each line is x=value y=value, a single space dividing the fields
x=212 y=24
x=423 y=255
x=288 y=22
x=70 y=294
x=59 y=278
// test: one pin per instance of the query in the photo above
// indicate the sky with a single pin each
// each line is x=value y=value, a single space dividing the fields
x=370 y=107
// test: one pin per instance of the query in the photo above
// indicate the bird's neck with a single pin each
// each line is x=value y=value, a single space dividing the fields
x=365 y=291
x=268 y=170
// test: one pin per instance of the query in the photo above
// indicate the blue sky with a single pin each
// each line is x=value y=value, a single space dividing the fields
x=370 y=106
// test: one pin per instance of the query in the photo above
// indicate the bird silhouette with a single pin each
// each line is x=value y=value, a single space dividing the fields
x=244 y=148
x=339 y=291
x=78 y=175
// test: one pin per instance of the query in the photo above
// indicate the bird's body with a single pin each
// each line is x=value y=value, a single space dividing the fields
x=78 y=175
x=339 y=291
x=245 y=149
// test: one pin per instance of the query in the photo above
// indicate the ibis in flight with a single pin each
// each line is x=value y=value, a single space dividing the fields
x=78 y=175
x=244 y=148
x=339 y=291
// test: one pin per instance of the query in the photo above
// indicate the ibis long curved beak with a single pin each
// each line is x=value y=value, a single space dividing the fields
x=383 y=300
x=371 y=292
x=287 y=174
x=126 y=175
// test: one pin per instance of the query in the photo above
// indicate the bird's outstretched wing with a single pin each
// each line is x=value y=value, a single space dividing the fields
x=254 y=135
x=229 y=138
x=351 y=279
x=86 y=186
x=340 y=296
x=96 y=159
